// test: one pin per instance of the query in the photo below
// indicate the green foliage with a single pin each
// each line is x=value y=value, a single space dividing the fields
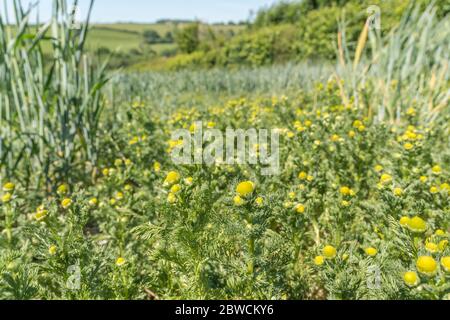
x=292 y=11
x=50 y=108
x=133 y=243
x=264 y=47
x=362 y=194
x=153 y=37
x=407 y=68
x=298 y=31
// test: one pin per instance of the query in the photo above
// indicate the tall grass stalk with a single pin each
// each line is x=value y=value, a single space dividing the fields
x=408 y=68
x=50 y=106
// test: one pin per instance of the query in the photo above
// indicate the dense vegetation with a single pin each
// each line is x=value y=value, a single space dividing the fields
x=299 y=30
x=287 y=31
x=92 y=205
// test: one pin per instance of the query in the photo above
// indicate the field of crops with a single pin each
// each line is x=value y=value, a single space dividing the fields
x=93 y=205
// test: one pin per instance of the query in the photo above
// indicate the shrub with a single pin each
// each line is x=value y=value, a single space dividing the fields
x=187 y=38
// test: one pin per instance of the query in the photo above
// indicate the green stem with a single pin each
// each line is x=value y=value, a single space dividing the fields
x=8 y=224
x=251 y=252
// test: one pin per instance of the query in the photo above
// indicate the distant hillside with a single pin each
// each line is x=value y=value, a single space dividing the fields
x=127 y=36
x=127 y=44
x=298 y=31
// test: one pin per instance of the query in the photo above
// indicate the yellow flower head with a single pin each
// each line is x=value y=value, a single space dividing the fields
x=443 y=244
x=386 y=178
x=128 y=162
x=378 y=168
x=188 y=181
x=41 y=213
x=319 y=260
x=345 y=203
x=66 y=203
x=445 y=262
x=211 y=125
x=408 y=146
x=9 y=187
x=174 y=143
x=410 y=135
x=432 y=247
x=244 y=189
x=404 y=221
x=133 y=141
x=352 y=134
x=335 y=138
x=345 y=191
x=93 y=202
x=303 y=175
x=120 y=261
x=259 y=201
x=417 y=225
x=357 y=124
x=290 y=135
x=157 y=167
x=238 y=201
x=193 y=128
x=172 y=178
x=300 y=208
x=411 y=279
x=119 y=196
x=434 y=190
x=329 y=252
x=175 y=188
x=436 y=170
x=423 y=179
x=171 y=198
x=372 y=252
x=440 y=233
x=6 y=197
x=52 y=250
x=398 y=192
x=411 y=112
x=426 y=265
x=62 y=189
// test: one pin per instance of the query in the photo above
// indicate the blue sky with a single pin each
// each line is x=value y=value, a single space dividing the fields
x=151 y=10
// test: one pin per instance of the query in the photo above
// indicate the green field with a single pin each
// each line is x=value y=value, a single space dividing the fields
x=118 y=39
x=162 y=28
x=127 y=36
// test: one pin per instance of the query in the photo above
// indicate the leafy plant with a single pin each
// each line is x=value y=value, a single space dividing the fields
x=50 y=106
